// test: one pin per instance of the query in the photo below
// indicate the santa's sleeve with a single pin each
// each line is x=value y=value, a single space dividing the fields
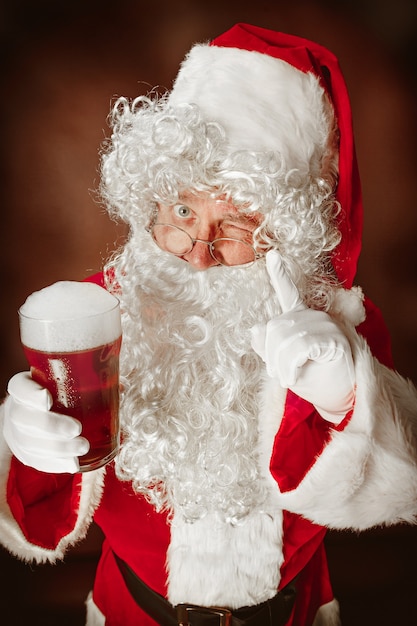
x=366 y=473
x=41 y=514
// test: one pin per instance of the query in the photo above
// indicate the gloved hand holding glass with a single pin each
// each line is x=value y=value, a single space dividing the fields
x=68 y=405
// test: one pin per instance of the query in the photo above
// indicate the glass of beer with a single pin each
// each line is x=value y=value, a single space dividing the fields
x=71 y=335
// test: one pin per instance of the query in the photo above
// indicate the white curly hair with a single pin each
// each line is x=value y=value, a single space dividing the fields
x=157 y=152
x=191 y=380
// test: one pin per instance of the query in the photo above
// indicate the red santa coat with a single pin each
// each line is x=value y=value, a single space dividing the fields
x=49 y=512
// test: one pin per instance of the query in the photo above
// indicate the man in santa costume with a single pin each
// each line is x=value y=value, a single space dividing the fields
x=259 y=404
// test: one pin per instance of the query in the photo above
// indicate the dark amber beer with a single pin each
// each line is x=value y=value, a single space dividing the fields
x=71 y=335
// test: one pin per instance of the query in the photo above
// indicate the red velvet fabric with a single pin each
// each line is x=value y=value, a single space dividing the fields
x=313 y=584
x=44 y=505
x=299 y=441
x=376 y=334
x=134 y=530
x=138 y=535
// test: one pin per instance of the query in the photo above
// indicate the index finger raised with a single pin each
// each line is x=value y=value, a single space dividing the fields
x=288 y=294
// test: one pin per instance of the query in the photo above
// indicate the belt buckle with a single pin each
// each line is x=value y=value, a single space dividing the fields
x=183 y=610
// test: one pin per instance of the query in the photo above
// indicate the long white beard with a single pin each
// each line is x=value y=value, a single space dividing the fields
x=192 y=382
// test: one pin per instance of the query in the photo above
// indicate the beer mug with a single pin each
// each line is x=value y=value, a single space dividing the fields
x=71 y=336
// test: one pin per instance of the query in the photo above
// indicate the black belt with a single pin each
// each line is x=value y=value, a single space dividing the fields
x=273 y=612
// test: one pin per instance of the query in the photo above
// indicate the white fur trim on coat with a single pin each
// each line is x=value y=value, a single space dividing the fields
x=241 y=562
x=250 y=553
x=11 y=535
x=94 y=616
x=328 y=615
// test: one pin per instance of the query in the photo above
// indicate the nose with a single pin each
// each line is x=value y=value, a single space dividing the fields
x=200 y=257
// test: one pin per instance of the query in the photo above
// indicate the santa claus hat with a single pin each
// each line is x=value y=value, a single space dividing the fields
x=266 y=90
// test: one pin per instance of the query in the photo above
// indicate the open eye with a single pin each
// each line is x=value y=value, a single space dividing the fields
x=182 y=211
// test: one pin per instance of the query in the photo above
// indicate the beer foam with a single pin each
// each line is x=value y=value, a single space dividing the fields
x=69 y=316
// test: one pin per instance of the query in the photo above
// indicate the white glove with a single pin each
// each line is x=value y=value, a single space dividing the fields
x=305 y=349
x=38 y=437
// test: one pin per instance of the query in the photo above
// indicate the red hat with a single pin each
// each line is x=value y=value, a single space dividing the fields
x=223 y=77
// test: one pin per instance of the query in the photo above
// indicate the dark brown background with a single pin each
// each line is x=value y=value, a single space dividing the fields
x=63 y=63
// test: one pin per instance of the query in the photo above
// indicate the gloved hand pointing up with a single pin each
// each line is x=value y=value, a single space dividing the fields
x=305 y=349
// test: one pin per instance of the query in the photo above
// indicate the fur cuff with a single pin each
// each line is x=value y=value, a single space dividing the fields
x=10 y=533
x=94 y=616
x=328 y=615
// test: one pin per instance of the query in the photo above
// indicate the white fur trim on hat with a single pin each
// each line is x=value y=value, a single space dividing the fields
x=262 y=103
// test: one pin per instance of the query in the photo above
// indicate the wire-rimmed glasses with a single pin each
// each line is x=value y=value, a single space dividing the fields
x=224 y=250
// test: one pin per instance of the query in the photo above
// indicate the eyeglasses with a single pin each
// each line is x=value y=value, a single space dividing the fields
x=225 y=250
